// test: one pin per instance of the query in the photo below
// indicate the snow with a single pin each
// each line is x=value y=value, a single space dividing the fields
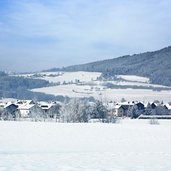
x=72 y=76
x=67 y=76
x=134 y=78
x=129 y=145
x=134 y=83
x=70 y=90
x=95 y=88
x=73 y=90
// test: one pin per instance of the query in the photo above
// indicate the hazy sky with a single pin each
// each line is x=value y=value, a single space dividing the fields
x=40 y=34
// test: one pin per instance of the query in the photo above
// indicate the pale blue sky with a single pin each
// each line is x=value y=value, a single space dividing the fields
x=41 y=34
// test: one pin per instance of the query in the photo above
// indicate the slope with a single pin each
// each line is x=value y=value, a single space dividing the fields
x=154 y=65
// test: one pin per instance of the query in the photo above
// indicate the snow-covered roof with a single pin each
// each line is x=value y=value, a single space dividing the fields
x=46 y=106
x=168 y=106
x=25 y=106
x=7 y=104
x=24 y=102
x=146 y=104
x=127 y=103
x=124 y=104
x=117 y=106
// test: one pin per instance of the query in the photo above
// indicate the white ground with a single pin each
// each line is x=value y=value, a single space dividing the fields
x=134 y=78
x=72 y=76
x=98 y=92
x=135 y=83
x=97 y=89
x=91 y=77
x=132 y=145
x=67 y=76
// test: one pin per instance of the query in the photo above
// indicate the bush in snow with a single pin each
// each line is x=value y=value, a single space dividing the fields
x=77 y=110
x=74 y=111
x=99 y=111
x=154 y=121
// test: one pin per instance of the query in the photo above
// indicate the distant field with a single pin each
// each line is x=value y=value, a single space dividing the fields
x=66 y=76
x=106 y=94
x=85 y=84
x=73 y=76
x=128 y=145
x=134 y=78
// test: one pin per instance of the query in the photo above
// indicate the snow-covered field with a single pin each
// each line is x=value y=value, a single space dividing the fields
x=95 y=88
x=134 y=78
x=73 y=76
x=98 y=92
x=53 y=77
x=132 y=145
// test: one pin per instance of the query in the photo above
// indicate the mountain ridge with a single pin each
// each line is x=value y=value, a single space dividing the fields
x=155 y=65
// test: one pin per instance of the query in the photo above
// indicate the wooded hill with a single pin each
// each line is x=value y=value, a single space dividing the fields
x=19 y=88
x=154 y=65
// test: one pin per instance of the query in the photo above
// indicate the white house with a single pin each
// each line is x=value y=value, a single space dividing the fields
x=29 y=110
x=121 y=109
x=51 y=110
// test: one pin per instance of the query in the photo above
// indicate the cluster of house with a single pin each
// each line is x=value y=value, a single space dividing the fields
x=142 y=110
x=28 y=108
x=31 y=109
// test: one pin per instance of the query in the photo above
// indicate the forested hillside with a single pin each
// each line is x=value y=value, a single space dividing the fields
x=18 y=87
x=155 y=65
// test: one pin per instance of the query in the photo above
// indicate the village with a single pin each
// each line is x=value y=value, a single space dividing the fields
x=76 y=110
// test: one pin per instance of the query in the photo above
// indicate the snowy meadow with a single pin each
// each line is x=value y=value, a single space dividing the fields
x=86 y=84
x=130 y=145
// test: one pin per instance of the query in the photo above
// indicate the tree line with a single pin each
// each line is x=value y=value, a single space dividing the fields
x=19 y=88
